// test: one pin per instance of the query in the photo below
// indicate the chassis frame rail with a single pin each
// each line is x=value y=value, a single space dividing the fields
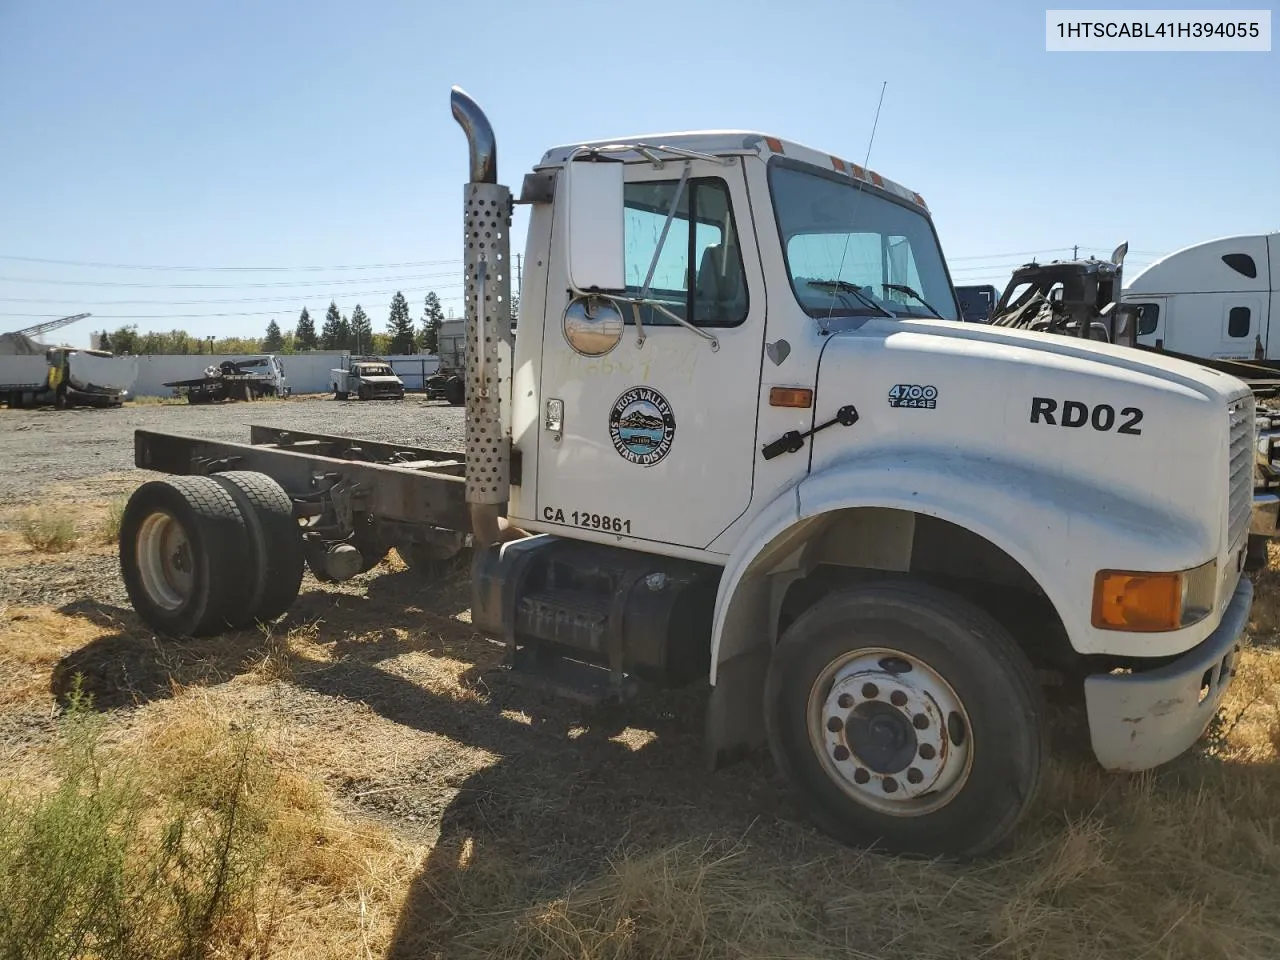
x=393 y=482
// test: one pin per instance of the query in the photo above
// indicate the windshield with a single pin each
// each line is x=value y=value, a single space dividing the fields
x=373 y=370
x=844 y=243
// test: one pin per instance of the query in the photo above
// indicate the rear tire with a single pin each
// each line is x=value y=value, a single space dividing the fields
x=339 y=394
x=908 y=719
x=455 y=392
x=276 y=538
x=182 y=546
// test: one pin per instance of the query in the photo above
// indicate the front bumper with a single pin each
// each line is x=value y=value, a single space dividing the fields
x=1141 y=720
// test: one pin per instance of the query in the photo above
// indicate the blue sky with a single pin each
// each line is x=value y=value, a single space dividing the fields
x=289 y=134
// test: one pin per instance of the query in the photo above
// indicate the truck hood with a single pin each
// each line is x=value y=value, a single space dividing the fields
x=1135 y=427
x=379 y=379
x=1072 y=353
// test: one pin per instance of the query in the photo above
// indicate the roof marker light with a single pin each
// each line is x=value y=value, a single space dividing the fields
x=774 y=144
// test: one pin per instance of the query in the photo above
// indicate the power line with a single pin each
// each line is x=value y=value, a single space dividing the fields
x=227 y=286
x=193 y=303
x=309 y=269
x=1015 y=253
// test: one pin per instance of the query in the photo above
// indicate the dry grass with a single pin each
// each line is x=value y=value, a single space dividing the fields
x=109 y=528
x=1184 y=863
x=1180 y=863
x=49 y=530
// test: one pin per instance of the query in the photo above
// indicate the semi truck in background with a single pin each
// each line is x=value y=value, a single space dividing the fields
x=1215 y=299
x=720 y=453
x=33 y=375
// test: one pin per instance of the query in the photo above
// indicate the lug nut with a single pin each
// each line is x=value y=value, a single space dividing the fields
x=890 y=785
x=861 y=775
x=845 y=700
x=927 y=751
x=870 y=691
x=835 y=724
x=841 y=753
x=920 y=721
x=914 y=776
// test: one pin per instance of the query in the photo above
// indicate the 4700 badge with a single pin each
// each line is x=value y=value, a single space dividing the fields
x=913 y=395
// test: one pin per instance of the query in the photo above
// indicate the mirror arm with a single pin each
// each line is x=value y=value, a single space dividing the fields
x=635 y=312
x=715 y=344
x=666 y=227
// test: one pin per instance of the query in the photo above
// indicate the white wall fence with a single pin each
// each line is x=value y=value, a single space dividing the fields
x=306 y=372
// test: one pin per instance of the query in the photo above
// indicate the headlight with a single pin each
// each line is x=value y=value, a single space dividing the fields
x=1150 y=602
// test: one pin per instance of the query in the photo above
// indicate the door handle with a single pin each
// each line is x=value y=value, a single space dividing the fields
x=555 y=417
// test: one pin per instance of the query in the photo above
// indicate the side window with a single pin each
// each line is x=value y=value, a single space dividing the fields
x=1238 y=322
x=1149 y=319
x=698 y=273
x=1241 y=263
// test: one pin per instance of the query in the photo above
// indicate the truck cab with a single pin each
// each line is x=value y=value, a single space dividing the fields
x=742 y=442
x=1213 y=299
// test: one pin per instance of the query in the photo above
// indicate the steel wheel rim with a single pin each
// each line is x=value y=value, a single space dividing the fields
x=890 y=732
x=166 y=563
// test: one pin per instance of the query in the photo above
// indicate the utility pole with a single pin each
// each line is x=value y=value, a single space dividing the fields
x=1075 y=252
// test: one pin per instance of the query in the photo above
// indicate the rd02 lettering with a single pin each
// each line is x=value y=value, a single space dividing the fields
x=1075 y=413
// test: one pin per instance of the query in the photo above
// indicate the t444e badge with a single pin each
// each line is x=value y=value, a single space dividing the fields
x=642 y=426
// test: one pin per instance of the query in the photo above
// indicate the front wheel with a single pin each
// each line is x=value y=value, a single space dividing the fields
x=907 y=719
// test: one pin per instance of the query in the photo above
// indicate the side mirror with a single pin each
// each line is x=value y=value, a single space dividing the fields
x=592 y=194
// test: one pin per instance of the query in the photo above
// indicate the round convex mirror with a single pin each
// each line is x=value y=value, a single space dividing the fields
x=593 y=325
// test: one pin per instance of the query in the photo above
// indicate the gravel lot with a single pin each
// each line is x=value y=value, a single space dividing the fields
x=44 y=448
x=83 y=458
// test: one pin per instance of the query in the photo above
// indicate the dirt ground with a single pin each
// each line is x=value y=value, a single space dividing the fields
x=525 y=826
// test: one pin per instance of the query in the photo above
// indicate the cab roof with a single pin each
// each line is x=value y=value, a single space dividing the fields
x=722 y=143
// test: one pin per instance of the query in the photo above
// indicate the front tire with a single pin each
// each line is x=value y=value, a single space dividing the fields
x=907 y=719
x=182 y=545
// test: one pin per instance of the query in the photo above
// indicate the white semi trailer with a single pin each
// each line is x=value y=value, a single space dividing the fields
x=737 y=442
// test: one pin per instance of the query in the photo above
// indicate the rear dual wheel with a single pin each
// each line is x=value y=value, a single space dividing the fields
x=199 y=555
x=907 y=719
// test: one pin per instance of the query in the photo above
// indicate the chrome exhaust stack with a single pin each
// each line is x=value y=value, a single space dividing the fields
x=487 y=258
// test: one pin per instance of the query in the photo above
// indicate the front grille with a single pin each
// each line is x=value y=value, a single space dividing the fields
x=1240 y=459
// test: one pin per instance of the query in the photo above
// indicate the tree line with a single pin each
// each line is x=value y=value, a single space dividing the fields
x=337 y=332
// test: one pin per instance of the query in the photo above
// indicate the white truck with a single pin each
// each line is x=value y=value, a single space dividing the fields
x=1214 y=299
x=732 y=445
x=366 y=378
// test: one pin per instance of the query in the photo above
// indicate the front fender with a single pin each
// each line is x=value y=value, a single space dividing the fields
x=1060 y=530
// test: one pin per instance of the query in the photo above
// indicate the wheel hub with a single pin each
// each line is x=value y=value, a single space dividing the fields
x=890 y=732
x=166 y=565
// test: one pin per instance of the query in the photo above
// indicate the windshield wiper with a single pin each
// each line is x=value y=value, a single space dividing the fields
x=844 y=286
x=903 y=288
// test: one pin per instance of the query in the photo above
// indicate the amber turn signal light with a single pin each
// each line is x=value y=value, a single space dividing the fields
x=801 y=397
x=1151 y=602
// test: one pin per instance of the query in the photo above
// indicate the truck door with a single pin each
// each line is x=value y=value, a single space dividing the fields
x=657 y=441
x=1153 y=324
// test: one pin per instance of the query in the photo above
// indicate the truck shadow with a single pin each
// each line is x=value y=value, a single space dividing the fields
x=570 y=787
